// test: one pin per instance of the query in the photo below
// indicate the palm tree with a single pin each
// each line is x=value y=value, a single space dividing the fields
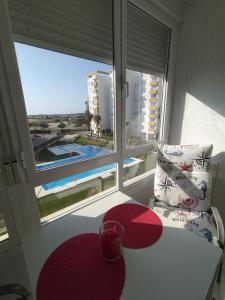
x=97 y=120
x=43 y=125
x=88 y=116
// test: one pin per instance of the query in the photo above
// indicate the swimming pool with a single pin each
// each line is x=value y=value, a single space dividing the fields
x=85 y=152
x=63 y=181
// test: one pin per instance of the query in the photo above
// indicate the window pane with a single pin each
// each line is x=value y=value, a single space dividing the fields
x=142 y=108
x=59 y=194
x=138 y=165
x=69 y=103
x=3 y=230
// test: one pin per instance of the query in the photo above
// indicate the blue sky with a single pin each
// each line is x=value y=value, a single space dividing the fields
x=54 y=83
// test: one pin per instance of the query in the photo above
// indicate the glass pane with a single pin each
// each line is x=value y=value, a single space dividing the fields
x=3 y=230
x=59 y=194
x=69 y=103
x=143 y=104
x=138 y=165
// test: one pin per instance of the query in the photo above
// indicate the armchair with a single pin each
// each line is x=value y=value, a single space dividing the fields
x=183 y=192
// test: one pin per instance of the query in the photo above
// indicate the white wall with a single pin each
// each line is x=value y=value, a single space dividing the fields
x=13 y=269
x=198 y=109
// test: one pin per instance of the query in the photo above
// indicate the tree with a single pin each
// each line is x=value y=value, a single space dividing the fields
x=57 y=120
x=88 y=116
x=43 y=125
x=61 y=125
x=97 y=120
x=80 y=121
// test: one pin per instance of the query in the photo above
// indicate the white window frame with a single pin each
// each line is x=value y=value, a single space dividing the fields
x=24 y=225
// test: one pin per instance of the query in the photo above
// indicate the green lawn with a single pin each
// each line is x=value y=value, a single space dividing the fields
x=51 y=203
x=86 y=140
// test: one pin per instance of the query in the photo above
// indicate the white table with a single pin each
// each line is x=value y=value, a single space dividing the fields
x=179 y=266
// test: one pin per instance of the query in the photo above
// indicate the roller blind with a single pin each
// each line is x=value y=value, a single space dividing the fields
x=147 y=42
x=81 y=25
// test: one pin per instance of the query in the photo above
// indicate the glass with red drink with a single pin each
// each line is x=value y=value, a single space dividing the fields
x=111 y=235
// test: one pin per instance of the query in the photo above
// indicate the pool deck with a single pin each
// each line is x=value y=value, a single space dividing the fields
x=41 y=192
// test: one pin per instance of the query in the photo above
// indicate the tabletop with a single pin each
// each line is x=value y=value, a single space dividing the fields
x=180 y=265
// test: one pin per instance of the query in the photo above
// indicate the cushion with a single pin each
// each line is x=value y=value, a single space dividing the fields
x=182 y=176
x=199 y=223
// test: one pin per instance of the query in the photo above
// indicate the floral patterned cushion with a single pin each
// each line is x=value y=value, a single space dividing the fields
x=182 y=176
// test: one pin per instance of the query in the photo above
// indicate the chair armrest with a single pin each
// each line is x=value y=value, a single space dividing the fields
x=151 y=203
x=219 y=225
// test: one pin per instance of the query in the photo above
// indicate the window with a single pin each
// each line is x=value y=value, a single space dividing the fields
x=138 y=165
x=68 y=89
x=69 y=102
x=60 y=194
x=143 y=118
x=146 y=72
x=72 y=133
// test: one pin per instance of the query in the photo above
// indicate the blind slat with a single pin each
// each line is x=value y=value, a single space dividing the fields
x=85 y=26
x=135 y=45
x=147 y=42
x=147 y=36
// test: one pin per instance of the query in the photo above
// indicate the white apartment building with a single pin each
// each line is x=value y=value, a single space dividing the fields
x=142 y=102
x=100 y=100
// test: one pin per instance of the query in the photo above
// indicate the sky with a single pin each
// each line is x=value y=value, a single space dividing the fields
x=54 y=83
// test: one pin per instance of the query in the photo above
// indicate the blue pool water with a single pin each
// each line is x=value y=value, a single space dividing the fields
x=85 y=152
x=64 y=149
x=61 y=182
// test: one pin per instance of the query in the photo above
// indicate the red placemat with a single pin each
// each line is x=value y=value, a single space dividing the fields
x=142 y=226
x=77 y=270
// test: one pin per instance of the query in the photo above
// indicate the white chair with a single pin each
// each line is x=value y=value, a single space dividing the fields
x=183 y=192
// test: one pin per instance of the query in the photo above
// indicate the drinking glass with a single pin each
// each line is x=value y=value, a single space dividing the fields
x=111 y=235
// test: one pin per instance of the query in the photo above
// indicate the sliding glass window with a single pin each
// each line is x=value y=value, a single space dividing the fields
x=74 y=132
x=146 y=71
x=65 y=60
